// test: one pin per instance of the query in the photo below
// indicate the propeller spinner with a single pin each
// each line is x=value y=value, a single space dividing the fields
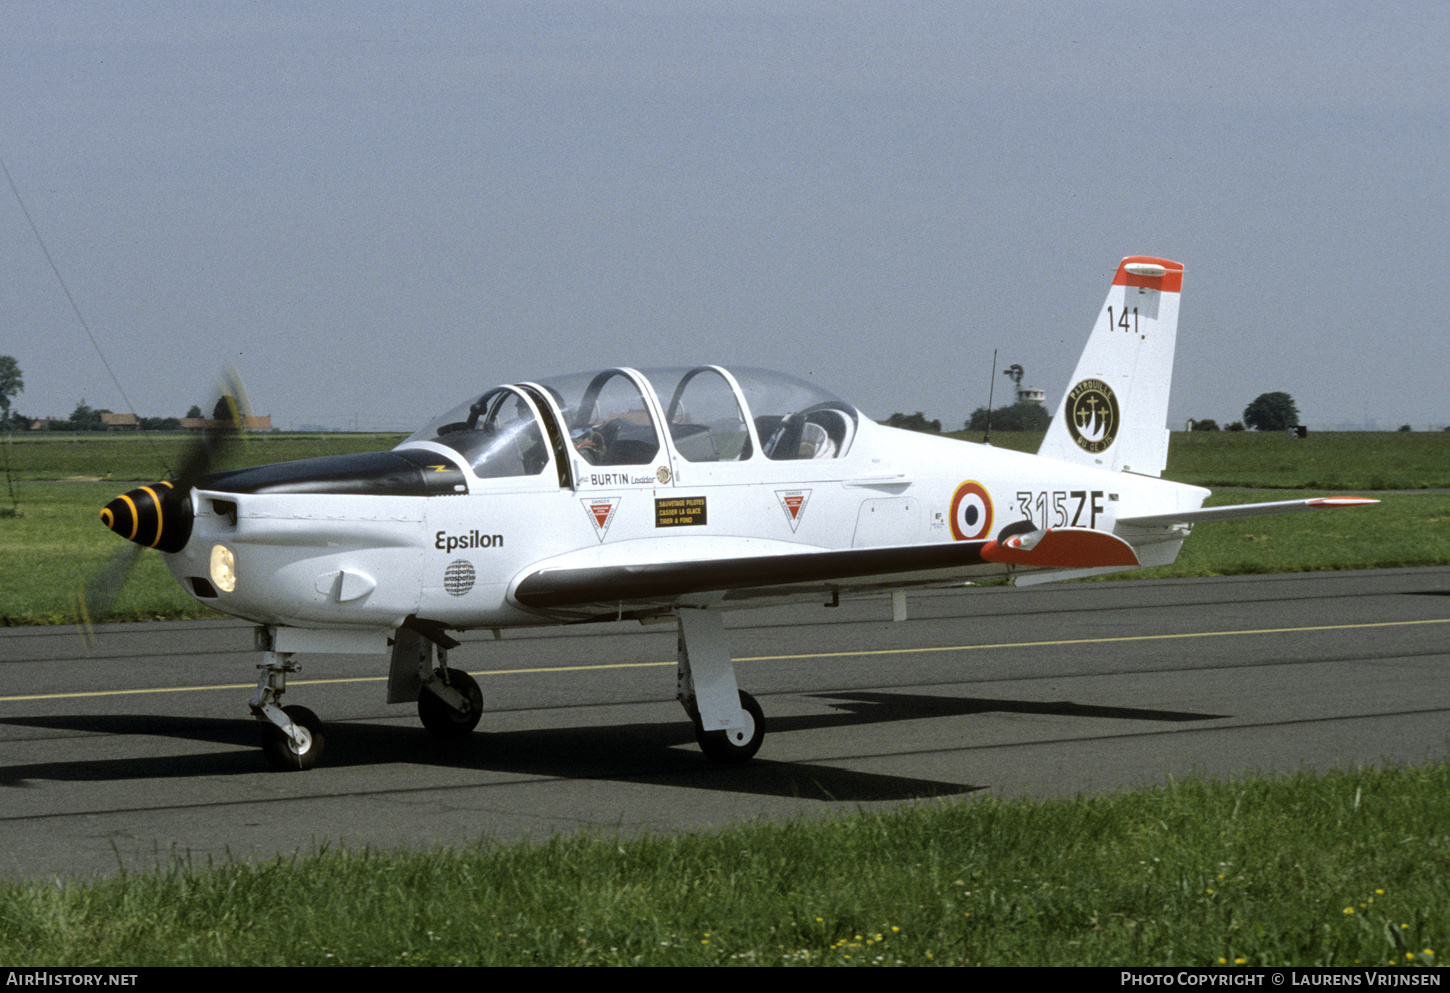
x=154 y=516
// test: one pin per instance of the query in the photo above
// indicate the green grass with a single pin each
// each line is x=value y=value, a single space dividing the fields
x=1342 y=460
x=1341 y=869
x=98 y=455
x=1329 y=460
x=58 y=542
x=1404 y=529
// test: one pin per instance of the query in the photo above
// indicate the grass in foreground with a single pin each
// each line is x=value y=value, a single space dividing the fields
x=1340 y=869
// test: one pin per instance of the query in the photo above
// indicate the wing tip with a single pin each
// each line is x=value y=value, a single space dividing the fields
x=1062 y=548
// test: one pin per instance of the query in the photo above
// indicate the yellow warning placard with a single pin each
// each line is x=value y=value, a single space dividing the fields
x=674 y=512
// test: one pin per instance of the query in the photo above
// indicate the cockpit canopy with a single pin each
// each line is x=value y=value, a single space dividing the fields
x=612 y=418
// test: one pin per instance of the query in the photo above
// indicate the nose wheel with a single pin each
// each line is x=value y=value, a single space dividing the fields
x=292 y=737
x=297 y=749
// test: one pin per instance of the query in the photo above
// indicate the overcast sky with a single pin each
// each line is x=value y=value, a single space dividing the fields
x=375 y=209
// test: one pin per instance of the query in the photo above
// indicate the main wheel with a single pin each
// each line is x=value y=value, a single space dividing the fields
x=441 y=719
x=285 y=754
x=738 y=744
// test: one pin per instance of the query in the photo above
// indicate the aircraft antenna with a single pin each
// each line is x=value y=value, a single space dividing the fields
x=79 y=316
x=991 y=382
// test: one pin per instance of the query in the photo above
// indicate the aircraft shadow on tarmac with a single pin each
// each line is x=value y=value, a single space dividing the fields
x=652 y=753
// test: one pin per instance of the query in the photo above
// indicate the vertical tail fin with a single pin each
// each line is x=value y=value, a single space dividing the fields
x=1116 y=409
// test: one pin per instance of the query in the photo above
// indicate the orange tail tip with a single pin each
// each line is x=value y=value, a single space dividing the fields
x=1062 y=548
x=1151 y=273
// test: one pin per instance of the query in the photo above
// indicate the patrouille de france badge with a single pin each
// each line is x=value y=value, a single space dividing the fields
x=1092 y=415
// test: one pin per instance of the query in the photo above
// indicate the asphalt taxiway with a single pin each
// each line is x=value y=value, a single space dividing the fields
x=141 y=749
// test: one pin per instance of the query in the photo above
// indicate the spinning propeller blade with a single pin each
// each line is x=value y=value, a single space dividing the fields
x=159 y=515
x=93 y=600
x=205 y=454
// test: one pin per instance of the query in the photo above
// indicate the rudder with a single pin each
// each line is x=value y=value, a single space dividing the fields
x=1115 y=412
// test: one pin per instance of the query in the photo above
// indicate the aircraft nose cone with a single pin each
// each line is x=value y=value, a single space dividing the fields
x=156 y=516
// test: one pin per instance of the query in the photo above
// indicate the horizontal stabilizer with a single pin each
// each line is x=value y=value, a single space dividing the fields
x=1244 y=510
x=1062 y=548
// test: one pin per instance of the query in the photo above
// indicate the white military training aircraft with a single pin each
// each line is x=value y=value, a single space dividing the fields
x=680 y=492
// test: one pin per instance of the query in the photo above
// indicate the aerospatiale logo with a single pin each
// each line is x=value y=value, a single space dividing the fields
x=1092 y=415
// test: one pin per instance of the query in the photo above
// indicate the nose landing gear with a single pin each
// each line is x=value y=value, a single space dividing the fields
x=292 y=740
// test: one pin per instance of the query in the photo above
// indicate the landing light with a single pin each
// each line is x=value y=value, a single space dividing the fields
x=223 y=568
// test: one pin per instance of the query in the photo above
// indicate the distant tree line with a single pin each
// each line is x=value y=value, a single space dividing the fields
x=86 y=418
x=1268 y=412
x=1024 y=415
x=83 y=418
x=913 y=422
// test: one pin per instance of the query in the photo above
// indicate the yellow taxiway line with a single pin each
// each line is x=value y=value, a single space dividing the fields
x=594 y=667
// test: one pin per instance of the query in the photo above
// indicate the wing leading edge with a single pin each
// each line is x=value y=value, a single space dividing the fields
x=656 y=583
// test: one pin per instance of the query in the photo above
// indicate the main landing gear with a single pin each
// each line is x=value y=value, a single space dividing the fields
x=729 y=724
x=451 y=702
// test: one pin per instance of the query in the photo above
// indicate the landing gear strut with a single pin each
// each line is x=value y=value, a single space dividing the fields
x=729 y=724
x=449 y=700
x=292 y=740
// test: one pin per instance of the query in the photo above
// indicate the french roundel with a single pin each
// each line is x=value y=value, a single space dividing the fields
x=971 y=512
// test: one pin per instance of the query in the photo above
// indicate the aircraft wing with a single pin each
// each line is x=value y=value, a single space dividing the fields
x=761 y=575
x=564 y=586
x=1244 y=510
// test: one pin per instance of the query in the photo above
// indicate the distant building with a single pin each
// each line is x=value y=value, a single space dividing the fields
x=1028 y=394
x=262 y=423
x=120 y=422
